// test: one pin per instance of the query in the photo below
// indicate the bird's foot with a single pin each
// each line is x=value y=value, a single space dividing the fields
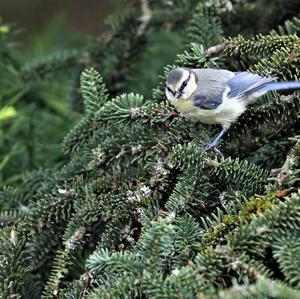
x=212 y=146
x=209 y=146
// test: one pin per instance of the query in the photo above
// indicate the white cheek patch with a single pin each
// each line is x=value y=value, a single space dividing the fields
x=189 y=89
x=169 y=95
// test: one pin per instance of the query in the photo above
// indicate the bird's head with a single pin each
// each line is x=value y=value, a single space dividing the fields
x=181 y=83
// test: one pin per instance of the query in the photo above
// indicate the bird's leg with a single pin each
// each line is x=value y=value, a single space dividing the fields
x=217 y=141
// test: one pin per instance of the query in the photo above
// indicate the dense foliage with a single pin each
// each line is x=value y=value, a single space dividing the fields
x=136 y=208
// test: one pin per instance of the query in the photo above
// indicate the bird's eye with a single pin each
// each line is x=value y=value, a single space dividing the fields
x=183 y=85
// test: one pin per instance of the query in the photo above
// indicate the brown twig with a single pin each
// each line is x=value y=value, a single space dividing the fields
x=216 y=49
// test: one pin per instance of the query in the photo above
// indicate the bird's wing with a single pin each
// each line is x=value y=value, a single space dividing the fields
x=244 y=84
x=212 y=84
x=207 y=102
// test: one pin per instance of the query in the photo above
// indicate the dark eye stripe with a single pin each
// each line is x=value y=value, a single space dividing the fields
x=183 y=85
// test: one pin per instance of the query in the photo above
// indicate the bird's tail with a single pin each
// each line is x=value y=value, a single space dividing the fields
x=282 y=85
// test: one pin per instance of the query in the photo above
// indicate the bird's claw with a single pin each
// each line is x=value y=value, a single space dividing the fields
x=208 y=146
x=211 y=146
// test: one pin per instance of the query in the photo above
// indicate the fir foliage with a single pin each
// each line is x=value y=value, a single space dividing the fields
x=137 y=209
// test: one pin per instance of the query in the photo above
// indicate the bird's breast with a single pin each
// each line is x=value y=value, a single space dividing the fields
x=224 y=114
x=184 y=106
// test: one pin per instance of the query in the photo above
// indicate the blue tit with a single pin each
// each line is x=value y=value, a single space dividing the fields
x=215 y=96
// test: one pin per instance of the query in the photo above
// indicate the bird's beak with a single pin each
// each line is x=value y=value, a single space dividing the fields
x=177 y=94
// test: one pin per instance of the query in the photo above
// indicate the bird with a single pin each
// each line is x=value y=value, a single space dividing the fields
x=217 y=96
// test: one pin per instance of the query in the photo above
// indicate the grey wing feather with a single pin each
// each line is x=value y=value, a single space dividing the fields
x=211 y=87
x=245 y=83
x=203 y=102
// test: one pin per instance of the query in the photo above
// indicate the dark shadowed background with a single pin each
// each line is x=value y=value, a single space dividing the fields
x=85 y=16
x=43 y=47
